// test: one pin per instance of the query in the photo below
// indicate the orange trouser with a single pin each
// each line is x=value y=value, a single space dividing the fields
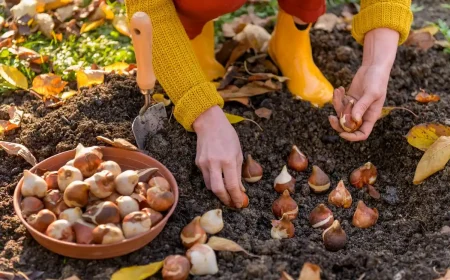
x=194 y=14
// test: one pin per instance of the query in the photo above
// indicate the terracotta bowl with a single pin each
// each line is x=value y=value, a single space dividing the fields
x=127 y=160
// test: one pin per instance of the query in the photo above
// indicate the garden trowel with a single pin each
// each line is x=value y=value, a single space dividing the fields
x=151 y=118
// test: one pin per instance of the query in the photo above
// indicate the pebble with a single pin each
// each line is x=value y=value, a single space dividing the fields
x=445 y=230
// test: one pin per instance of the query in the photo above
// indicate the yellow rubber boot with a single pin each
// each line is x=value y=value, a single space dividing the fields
x=203 y=46
x=290 y=48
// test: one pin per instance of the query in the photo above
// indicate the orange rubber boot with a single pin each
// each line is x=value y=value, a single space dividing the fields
x=290 y=48
x=203 y=46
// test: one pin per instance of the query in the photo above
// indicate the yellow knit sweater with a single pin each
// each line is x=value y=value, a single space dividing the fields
x=179 y=72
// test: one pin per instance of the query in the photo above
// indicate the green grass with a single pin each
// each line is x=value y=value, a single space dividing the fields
x=445 y=30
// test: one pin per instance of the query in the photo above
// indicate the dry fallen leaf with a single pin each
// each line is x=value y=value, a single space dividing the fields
x=425 y=97
x=13 y=77
x=434 y=159
x=159 y=97
x=89 y=26
x=310 y=271
x=238 y=51
x=23 y=8
x=263 y=113
x=424 y=135
x=387 y=110
x=118 y=143
x=223 y=244
x=422 y=40
x=87 y=78
x=230 y=29
x=20 y=150
x=107 y=10
x=117 y=67
x=64 y=13
x=326 y=22
x=48 y=85
x=249 y=90
x=237 y=119
x=45 y=23
x=15 y=118
x=432 y=29
x=256 y=36
x=137 y=272
x=121 y=25
x=263 y=76
x=55 y=4
x=243 y=100
x=229 y=76
x=67 y=94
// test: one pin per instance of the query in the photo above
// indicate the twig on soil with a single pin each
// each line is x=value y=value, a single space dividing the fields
x=254 y=123
x=362 y=276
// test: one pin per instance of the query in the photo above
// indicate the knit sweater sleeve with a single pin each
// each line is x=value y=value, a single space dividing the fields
x=174 y=62
x=393 y=14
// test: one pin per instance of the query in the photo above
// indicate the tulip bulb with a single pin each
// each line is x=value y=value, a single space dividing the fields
x=252 y=171
x=285 y=205
x=282 y=228
x=33 y=185
x=84 y=232
x=54 y=202
x=319 y=182
x=346 y=120
x=31 y=205
x=334 y=237
x=103 y=213
x=155 y=216
x=66 y=175
x=113 y=197
x=107 y=234
x=87 y=160
x=321 y=217
x=159 y=182
x=193 y=233
x=41 y=220
x=71 y=215
x=297 y=160
x=284 y=181
x=160 y=200
x=110 y=166
x=136 y=223
x=212 y=221
x=51 y=178
x=364 y=175
x=127 y=205
x=340 y=196
x=141 y=188
x=70 y=163
x=203 y=260
x=77 y=194
x=364 y=216
x=176 y=267
x=310 y=271
x=141 y=200
x=61 y=230
x=101 y=184
x=126 y=181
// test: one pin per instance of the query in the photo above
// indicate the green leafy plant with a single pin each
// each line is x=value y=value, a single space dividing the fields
x=445 y=30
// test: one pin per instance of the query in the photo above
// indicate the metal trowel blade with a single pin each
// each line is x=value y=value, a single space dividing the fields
x=149 y=123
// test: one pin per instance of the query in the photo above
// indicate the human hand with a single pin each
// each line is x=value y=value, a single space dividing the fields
x=369 y=85
x=219 y=152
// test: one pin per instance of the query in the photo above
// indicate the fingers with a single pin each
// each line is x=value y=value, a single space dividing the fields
x=338 y=97
x=334 y=122
x=240 y=161
x=205 y=172
x=360 y=135
x=362 y=105
x=232 y=184
x=217 y=185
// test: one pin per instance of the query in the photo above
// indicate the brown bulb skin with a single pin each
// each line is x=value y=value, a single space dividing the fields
x=364 y=175
x=321 y=217
x=346 y=120
x=252 y=171
x=76 y=194
x=88 y=160
x=102 y=213
x=340 y=196
x=160 y=199
x=41 y=220
x=193 y=234
x=297 y=160
x=285 y=205
x=176 y=267
x=31 y=205
x=51 y=178
x=319 y=182
x=334 y=237
x=282 y=228
x=155 y=216
x=160 y=182
x=364 y=216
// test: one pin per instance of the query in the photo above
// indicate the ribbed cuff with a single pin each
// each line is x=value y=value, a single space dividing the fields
x=383 y=14
x=196 y=101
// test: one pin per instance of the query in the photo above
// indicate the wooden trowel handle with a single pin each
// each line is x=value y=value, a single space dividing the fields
x=141 y=34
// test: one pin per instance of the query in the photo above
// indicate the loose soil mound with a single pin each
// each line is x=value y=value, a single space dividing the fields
x=406 y=243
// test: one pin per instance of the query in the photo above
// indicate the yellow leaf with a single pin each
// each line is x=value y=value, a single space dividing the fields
x=13 y=76
x=433 y=160
x=18 y=150
x=87 y=78
x=121 y=25
x=387 y=110
x=89 y=26
x=109 y=14
x=236 y=119
x=223 y=244
x=56 y=4
x=137 y=272
x=432 y=29
x=424 y=135
x=118 y=67
x=68 y=94
x=159 y=97
x=48 y=84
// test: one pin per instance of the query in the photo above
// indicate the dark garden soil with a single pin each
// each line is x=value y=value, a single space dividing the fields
x=406 y=243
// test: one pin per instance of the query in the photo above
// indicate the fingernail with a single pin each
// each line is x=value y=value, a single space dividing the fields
x=357 y=118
